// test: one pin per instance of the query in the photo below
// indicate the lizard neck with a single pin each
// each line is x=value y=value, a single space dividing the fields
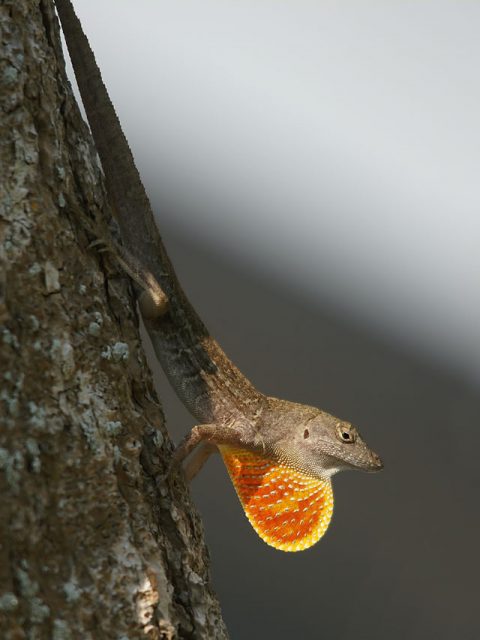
x=207 y=382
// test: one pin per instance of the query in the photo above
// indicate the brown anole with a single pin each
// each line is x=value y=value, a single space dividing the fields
x=280 y=455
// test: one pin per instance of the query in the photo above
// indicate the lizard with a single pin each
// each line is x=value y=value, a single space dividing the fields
x=280 y=455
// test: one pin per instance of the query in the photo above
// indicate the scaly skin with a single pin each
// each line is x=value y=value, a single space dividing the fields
x=291 y=447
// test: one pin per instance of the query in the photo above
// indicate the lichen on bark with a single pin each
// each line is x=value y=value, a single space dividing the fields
x=94 y=542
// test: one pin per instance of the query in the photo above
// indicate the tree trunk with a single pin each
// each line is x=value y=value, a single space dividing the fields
x=93 y=542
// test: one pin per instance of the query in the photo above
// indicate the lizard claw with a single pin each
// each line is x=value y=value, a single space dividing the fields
x=102 y=244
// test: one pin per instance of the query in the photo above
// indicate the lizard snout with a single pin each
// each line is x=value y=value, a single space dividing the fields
x=377 y=464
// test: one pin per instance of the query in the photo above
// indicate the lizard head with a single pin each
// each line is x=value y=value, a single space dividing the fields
x=284 y=482
x=333 y=445
x=321 y=445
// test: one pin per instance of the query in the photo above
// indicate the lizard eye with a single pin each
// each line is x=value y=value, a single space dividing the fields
x=346 y=433
x=306 y=433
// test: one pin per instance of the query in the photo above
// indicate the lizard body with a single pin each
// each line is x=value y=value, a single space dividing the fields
x=280 y=455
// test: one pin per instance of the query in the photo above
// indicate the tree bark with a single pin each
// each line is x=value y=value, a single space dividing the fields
x=93 y=542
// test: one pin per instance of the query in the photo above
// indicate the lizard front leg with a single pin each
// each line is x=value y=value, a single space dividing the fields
x=208 y=436
x=198 y=459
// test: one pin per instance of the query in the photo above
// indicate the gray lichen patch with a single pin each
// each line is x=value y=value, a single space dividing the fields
x=39 y=611
x=52 y=277
x=10 y=402
x=10 y=338
x=12 y=465
x=94 y=329
x=9 y=75
x=113 y=427
x=10 y=395
x=34 y=269
x=117 y=352
x=71 y=590
x=62 y=352
x=158 y=439
x=34 y=323
x=93 y=435
x=8 y=602
x=38 y=416
x=28 y=587
x=33 y=450
x=61 y=630
x=95 y=324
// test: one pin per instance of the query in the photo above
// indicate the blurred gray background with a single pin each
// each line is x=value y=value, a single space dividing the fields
x=315 y=169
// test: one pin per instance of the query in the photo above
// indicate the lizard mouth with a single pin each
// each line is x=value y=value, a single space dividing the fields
x=363 y=459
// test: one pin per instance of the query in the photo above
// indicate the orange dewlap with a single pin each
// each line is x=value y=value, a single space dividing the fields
x=288 y=509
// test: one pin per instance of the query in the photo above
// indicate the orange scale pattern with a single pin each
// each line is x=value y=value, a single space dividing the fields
x=287 y=508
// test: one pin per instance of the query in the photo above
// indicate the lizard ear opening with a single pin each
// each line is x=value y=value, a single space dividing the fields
x=288 y=509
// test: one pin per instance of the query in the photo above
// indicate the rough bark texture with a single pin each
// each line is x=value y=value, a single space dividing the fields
x=93 y=543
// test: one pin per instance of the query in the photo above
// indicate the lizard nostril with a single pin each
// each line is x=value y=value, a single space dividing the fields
x=376 y=459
